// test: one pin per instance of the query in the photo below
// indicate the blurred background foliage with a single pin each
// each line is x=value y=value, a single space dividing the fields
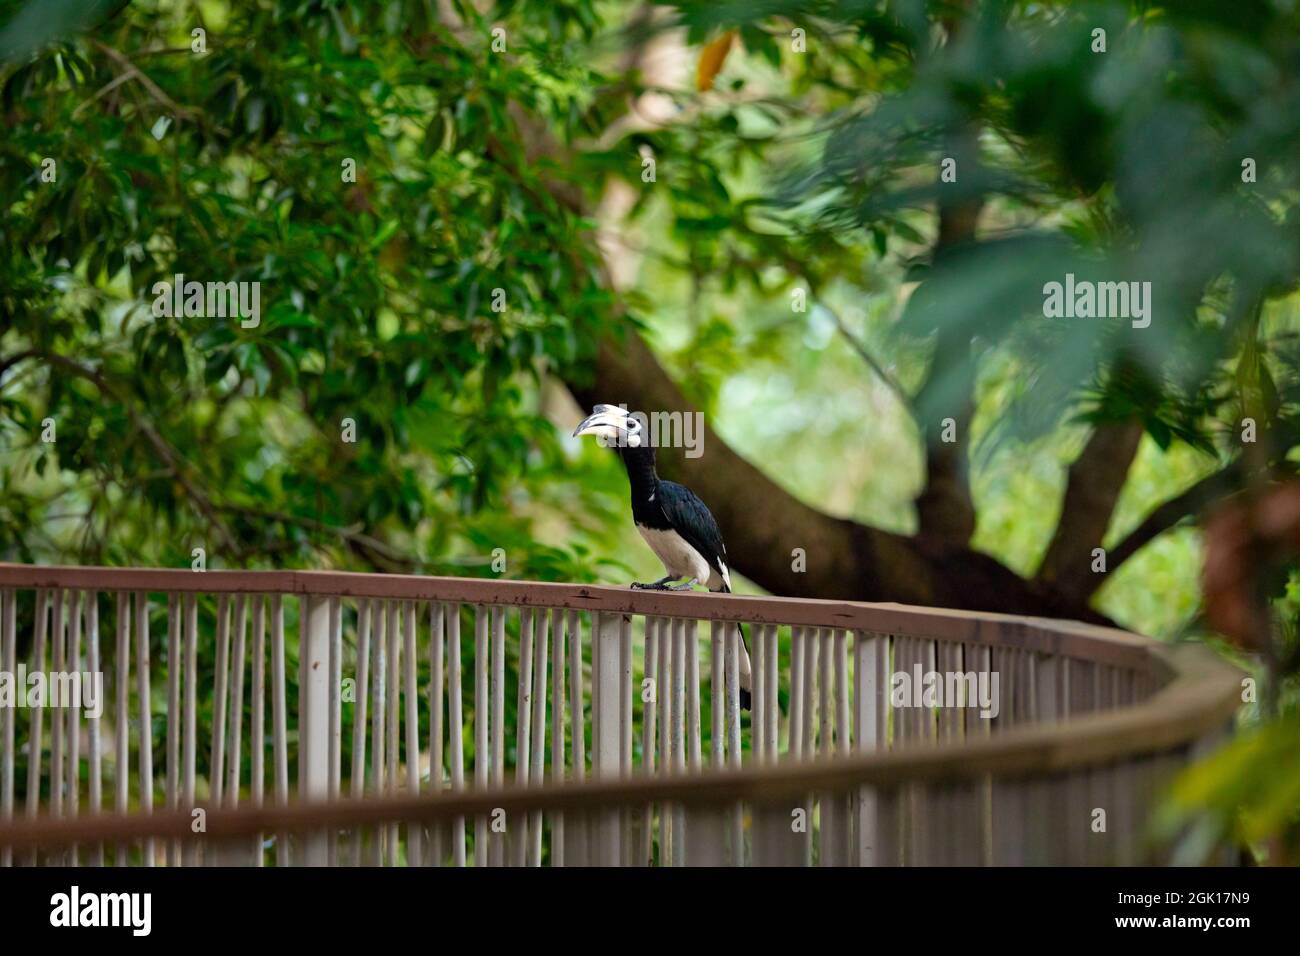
x=797 y=149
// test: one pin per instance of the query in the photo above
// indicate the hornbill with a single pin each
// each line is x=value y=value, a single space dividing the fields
x=671 y=518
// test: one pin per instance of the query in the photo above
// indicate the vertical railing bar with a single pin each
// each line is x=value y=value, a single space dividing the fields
x=558 y=715
x=393 y=755
x=825 y=643
x=670 y=697
x=577 y=829
x=810 y=656
x=8 y=715
x=74 y=718
x=627 y=849
x=866 y=736
x=679 y=695
x=649 y=708
x=900 y=716
x=499 y=696
x=984 y=662
x=280 y=731
x=57 y=641
x=34 y=729
x=930 y=729
x=257 y=725
x=541 y=647
x=772 y=728
x=577 y=725
x=842 y=693
x=594 y=710
x=96 y=742
x=822 y=746
x=794 y=745
x=303 y=718
x=663 y=704
x=335 y=788
x=883 y=661
x=35 y=732
x=456 y=717
x=360 y=717
x=733 y=737
x=216 y=756
x=312 y=722
x=758 y=719
x=497 y=843
x=146 y=713
x=237 y=701
x=437 y=642
x=679 y=734
x=718 y=680
x=379 y=716
x=693 y=730
x=604 y=829
x=413 y=756
x=523 y=728
x=175 y=668
x=1065 y=679
x=122 y=758
x=189 y=709
x=625 y=696
x=845 y=801
x=482 y=713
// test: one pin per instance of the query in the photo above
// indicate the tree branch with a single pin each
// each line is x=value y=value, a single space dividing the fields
x=1092 y=488
x=130 y=70
x=367 y=546
x=165 y=452
x=1218 y=486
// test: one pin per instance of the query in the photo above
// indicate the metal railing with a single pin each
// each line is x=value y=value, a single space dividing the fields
x=448 y=721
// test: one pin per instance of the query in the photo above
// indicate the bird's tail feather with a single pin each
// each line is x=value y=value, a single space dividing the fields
x=746 y=698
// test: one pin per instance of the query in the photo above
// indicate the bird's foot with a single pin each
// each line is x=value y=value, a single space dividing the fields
x=682 y=587
x=649 y=586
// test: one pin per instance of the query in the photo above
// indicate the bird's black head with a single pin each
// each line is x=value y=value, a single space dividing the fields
x=616 y=428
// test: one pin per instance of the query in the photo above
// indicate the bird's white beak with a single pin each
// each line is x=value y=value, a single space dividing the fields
x=605 y=420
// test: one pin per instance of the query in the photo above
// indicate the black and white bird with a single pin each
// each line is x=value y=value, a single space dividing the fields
x=671 y=518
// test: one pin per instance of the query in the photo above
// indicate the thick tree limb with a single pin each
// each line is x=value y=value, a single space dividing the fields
x=763 y=523
x=944 y=509
x=1215 y=487
x=1092 y=488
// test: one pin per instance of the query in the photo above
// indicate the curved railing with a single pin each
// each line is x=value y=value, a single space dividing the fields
x=442 y=721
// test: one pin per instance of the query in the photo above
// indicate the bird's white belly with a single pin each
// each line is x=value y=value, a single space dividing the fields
x=678 y=557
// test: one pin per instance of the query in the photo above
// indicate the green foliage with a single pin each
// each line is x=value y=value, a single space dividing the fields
x=376 y=295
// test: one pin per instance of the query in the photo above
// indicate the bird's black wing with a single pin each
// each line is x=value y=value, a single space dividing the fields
x=691 y=518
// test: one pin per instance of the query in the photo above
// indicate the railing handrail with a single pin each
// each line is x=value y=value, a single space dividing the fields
x=1202 y=697
x=1074 y=639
